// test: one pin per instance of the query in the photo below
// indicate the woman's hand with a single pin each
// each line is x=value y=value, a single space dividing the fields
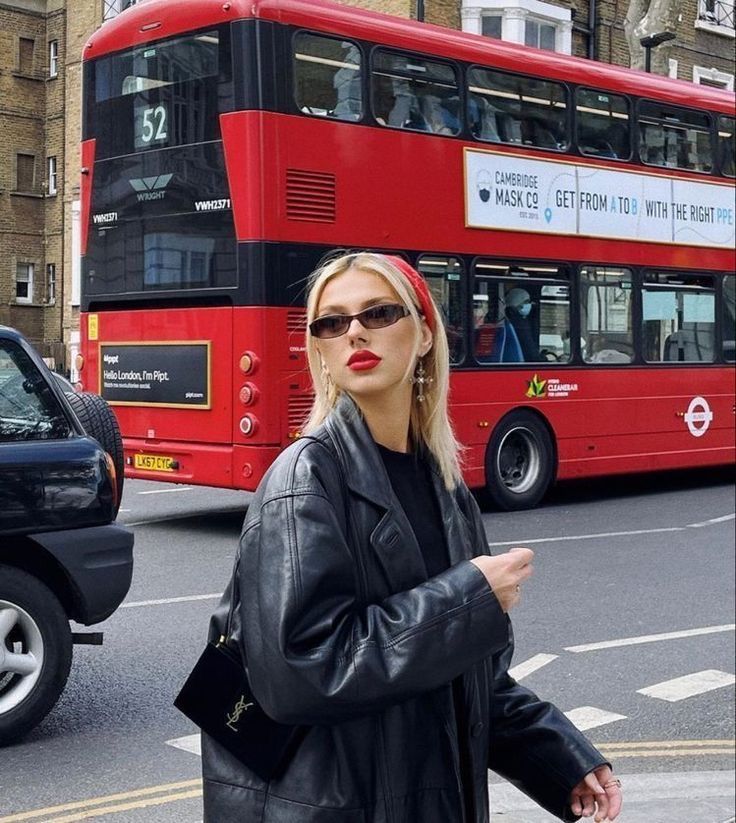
x=505 y=573
x=598 y=792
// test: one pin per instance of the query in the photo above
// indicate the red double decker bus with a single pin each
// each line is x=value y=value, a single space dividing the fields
x=575 y=222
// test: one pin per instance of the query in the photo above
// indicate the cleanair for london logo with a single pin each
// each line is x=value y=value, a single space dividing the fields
x=151 y=188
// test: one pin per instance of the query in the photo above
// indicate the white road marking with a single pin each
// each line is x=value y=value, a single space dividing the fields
x=167 y=491
x=165 y=601
x=192 y=743
x=531 y=665
x=568 y=537
x=599 y=535
x=690 y=685
x=588 y=717
x=723 y=519
x=650 y=638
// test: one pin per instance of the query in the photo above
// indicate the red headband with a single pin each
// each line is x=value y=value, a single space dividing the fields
x=419 y=284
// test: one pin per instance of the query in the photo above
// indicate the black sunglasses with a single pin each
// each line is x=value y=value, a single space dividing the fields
x=375 y=317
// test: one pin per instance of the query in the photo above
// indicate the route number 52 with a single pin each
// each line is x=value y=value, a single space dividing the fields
x=154 y=124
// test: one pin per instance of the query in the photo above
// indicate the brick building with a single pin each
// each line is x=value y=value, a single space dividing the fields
x=40 y=82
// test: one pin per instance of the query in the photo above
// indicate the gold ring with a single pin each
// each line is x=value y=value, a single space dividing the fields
x=614 y=782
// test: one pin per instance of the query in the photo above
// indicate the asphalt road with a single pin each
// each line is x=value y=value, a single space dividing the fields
x=646 y=562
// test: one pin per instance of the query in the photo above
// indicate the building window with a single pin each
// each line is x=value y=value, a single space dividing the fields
x=716 y=16
x=53 y=58
x=539 y=34
x=51 y=282
x=532 y=22
x=24 y=283
x=111 y=8
x=25 y=55
x=52 y=189
x=712 y=77
x=491 y=26
x=25 y=172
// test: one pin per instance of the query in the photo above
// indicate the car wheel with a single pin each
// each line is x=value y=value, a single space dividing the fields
x=99 y=421
x=520 y=462
x=35 y=652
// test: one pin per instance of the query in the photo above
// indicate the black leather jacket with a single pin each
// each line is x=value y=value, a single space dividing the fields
x=343 y=632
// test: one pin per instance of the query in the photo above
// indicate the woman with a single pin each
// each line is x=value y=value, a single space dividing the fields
x=371 y=611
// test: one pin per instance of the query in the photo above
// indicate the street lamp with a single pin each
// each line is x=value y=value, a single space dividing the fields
x=651 y=41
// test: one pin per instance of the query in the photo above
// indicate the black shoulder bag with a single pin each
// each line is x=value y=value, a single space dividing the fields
x=217 y=697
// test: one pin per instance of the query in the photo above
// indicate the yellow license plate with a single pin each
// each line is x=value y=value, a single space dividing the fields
x=154 y=463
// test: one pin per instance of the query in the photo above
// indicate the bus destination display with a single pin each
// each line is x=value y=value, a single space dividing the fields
x=156 y=374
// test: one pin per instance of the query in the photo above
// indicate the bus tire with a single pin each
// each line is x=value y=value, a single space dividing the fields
x=99 y=421
x=34 y=627
x=520 y=461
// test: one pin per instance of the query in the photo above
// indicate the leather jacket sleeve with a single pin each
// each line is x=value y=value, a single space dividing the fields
x=315 y=653
x=533 y=745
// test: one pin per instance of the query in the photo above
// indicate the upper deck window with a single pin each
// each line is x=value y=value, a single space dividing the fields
x=675 y=138
x=328 y=77
x=726 y=144
x=157 y=65
x=164 y=94
x=410 y=92
x=602 y=124
x=509 y=108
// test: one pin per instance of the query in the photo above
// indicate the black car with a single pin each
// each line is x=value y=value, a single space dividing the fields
x=62 y=556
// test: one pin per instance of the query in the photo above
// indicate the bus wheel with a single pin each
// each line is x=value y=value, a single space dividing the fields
x=99 y=421
x=519 y=462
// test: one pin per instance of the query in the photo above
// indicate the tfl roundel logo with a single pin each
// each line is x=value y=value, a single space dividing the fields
x=698 y=416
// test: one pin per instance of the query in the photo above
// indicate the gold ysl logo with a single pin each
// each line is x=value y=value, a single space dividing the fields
x=238 y=709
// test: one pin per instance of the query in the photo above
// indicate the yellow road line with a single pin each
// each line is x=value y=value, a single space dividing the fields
x=695 y=752
x=125 y=807
x=661 y=744
x=188 y=789
x=100 y=801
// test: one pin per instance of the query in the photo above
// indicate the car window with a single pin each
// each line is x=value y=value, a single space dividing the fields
x=29 y=409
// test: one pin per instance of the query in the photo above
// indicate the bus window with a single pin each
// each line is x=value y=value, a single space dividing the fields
x=729 y=318
x=602 y=124
x=509 y=108
x=726 y=144
x=675 y=138
x=521 y=314
x=678 y=318
x=327 y=77
x=410 y=92
x=605 y=315
x=444 y=276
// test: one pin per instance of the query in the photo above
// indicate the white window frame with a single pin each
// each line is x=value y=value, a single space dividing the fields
x=52 y=178
x=53 y=58
x=672 y=66
x=514 y=16
x=713 y=26
x=30 y=272
x=51 y=283
x=723 y=78
x=76 y=253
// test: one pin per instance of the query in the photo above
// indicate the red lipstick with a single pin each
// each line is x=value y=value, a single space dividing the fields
x=363 y=360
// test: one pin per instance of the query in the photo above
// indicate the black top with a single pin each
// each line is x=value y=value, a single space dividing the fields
x=411 y=482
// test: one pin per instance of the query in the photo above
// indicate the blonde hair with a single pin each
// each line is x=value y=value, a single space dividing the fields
x=429 y=424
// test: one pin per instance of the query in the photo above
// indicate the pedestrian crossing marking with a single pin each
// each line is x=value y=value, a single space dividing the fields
x=589 y=717
x=531 y=665
x=690 y=685
x=192 y=743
